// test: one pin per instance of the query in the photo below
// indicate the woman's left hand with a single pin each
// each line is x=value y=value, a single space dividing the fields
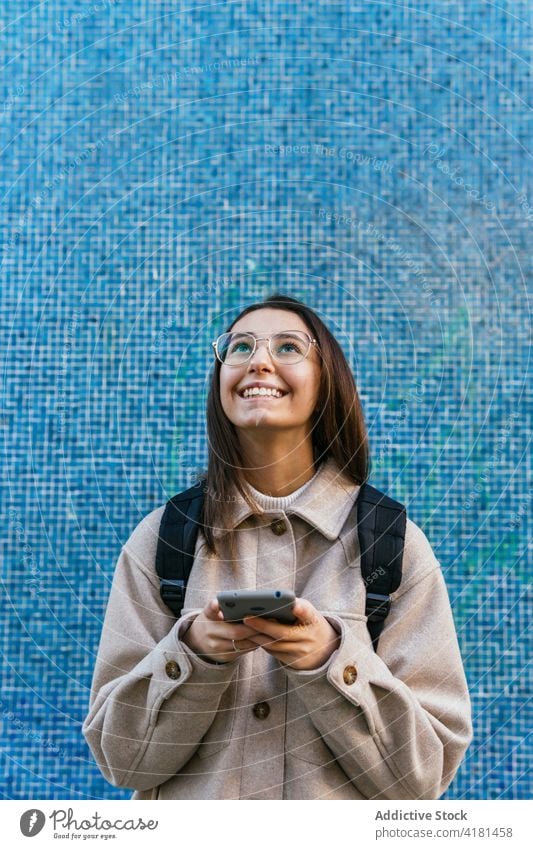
x=305 y=645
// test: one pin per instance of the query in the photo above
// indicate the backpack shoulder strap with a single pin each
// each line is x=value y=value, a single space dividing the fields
x=176 y=544
x=381 y=525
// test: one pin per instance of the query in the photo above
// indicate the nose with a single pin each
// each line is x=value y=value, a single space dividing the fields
x=261 y=356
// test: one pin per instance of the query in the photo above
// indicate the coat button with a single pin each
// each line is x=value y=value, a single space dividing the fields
x=349 y=675
x=261 y=710
x=278 y=527
x=172 y=669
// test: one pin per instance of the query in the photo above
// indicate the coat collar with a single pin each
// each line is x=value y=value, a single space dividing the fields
x=325 y=504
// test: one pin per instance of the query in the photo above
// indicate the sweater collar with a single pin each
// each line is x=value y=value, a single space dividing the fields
x=325 y=503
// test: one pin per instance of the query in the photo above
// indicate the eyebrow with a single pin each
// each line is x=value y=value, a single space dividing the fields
x=251 y=333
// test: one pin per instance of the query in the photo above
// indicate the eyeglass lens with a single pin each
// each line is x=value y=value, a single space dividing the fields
x=236 y=348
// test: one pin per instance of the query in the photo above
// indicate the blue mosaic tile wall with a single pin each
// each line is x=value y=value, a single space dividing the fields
x=166 y=163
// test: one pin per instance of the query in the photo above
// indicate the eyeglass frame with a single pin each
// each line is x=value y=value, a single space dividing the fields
x=312 y=341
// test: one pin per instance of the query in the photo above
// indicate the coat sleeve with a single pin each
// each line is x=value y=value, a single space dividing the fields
x=397 y=721
x=152 y=698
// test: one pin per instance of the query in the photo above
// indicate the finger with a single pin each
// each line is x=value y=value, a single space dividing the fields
x=262 y=640
x=237 y=632
x=233 y=630
x=267 y=626
x=274 y=648
x=304 y=610
x=212 y=611
x=241 y=646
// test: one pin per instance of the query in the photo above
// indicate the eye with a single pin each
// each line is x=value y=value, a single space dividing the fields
x=239 y=347
x=289 y=345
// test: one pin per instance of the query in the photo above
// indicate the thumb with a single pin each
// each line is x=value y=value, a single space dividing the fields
x=212 y=611
x=303 y=609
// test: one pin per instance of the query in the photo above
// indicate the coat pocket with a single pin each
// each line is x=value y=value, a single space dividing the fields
x=312 y=751
x=219 y=734
x=303 y=741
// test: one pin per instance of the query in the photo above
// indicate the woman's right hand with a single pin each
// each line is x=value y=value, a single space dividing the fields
x=210 y=637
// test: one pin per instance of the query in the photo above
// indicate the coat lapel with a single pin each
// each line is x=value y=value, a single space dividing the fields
x=325 y=504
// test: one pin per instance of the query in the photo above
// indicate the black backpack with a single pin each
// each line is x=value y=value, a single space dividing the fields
x=381 y=525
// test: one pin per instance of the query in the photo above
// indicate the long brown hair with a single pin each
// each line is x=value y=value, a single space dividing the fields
x=338 y=431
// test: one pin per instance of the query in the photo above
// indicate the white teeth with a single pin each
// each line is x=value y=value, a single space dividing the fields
x=256 y=390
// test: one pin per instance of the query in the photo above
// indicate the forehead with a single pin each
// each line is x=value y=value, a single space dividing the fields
x=270 y=321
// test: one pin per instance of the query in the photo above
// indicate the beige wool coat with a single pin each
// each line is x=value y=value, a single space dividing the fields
x=388 y=725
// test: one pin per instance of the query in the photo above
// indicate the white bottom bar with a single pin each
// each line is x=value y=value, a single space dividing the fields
x=226 y=824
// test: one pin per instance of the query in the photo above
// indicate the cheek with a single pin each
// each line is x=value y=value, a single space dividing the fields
x=308 y=387
x=224 y=394
x=227 y=395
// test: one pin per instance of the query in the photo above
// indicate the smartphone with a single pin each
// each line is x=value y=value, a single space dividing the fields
x=272 y=604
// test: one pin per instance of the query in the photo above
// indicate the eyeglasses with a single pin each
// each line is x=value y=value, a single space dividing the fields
x=289 y=347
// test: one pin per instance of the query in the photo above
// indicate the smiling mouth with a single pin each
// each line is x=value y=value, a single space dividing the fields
x=261 y=397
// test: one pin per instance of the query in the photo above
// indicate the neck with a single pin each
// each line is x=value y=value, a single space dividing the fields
x=277 y=471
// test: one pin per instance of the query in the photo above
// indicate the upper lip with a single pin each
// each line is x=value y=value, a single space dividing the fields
x=261 y=386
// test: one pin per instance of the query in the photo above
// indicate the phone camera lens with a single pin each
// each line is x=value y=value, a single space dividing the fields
x=278 y=594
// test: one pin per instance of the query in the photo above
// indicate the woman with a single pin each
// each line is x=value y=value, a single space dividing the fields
x=200 y=708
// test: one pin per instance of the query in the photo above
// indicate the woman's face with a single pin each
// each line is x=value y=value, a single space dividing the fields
x=298 y=381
